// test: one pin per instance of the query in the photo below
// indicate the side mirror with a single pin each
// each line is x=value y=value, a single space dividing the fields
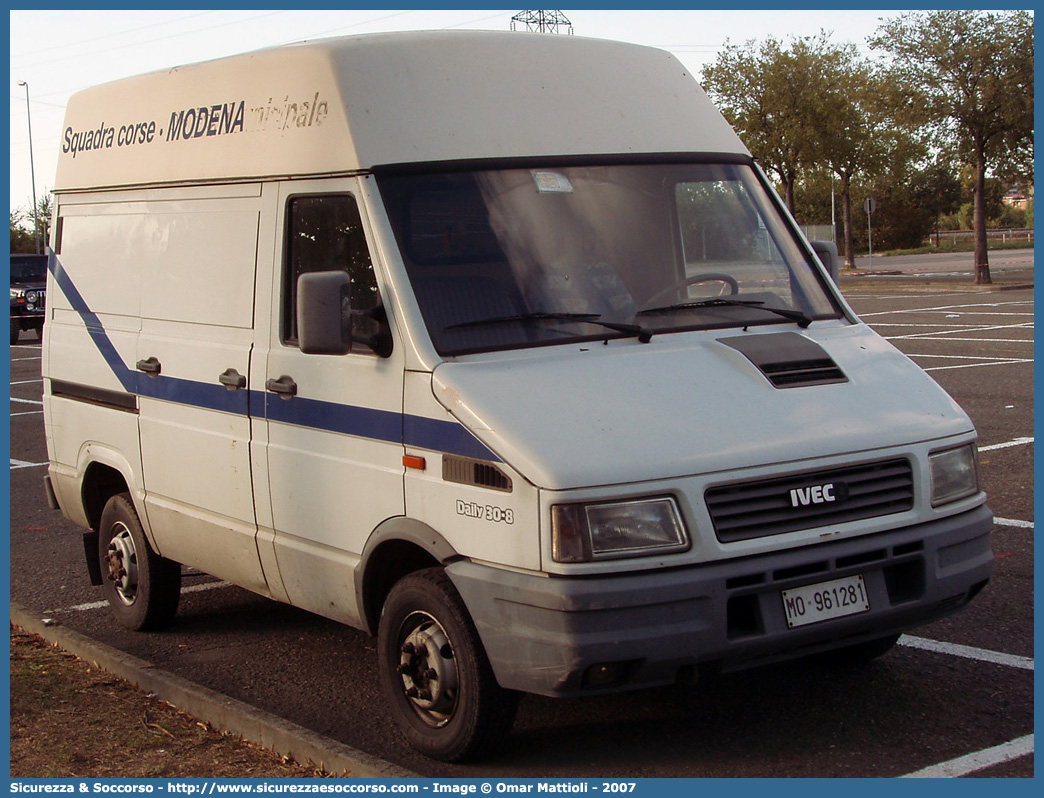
x=326 y=321
x=827 y=253
x=324 y=318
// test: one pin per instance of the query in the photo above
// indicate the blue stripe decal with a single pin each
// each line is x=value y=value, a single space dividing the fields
x=94 y=327
x=444 y=436
x=381 y=425
x=194 y=394
x=361 y=422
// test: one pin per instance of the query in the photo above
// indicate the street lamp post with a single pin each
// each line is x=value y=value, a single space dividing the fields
x=32 y=168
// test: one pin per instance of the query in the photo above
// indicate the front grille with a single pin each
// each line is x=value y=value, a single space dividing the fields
x=802 y=501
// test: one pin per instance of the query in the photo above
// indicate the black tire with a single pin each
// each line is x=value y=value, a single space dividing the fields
x=435 y=674
x=142 y=588
x=861 y=653
x=16 y=327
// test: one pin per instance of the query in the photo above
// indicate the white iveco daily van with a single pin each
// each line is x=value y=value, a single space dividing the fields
x=497 y=346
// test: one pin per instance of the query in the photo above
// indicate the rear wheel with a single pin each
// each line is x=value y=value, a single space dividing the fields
x=435 y=673
x=142 y=588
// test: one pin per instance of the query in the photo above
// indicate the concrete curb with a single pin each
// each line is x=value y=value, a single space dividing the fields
x=220 y=711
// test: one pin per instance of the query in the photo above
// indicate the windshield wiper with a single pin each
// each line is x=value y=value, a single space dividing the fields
x=643 y=333
x=802 y=319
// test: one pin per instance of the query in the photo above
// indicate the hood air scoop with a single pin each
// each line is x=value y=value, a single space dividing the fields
x=788 y=360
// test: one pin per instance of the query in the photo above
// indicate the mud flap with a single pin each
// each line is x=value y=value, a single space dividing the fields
x=90 y=549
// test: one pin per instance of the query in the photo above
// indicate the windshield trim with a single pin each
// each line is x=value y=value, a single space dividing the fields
x=611 y=335
x=830 y=289
x=562 y=161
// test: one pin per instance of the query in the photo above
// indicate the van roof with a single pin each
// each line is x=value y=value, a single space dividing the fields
x=346 y=104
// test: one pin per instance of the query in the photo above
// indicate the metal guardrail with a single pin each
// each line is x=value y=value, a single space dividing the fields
x=1004 y=235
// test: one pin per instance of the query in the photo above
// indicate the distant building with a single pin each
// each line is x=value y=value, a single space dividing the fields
x=1018 y=196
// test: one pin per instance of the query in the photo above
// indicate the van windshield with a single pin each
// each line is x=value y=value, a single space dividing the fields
x=512 y=258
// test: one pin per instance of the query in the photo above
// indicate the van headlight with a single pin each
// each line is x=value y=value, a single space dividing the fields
x=954 y=474
x=608 y=530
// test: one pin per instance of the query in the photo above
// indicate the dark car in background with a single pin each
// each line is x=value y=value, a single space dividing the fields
x=28 y=294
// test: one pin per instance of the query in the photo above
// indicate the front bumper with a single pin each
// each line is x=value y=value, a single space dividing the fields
x=542 y=634
x=29 y=315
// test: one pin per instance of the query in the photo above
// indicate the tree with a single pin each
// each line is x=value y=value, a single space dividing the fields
x=909 y=203
x=967 y=77
x=21 y=234
x=23 y=239
x=773 y=97
x=800 y=109
x=938 y=192
x=852 y=134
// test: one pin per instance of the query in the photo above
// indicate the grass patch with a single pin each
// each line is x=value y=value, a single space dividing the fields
x=71 y=720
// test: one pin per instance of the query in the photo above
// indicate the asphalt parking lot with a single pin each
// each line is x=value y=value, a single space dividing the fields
x=955 y=698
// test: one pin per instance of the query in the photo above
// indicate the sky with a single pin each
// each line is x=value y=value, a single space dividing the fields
x=57 y=53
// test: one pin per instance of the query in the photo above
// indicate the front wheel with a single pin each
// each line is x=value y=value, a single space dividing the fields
x=435 y=674
x=142 y=588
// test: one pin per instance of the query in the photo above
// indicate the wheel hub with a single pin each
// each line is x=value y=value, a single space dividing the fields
x=428 y=669
x=121 y=560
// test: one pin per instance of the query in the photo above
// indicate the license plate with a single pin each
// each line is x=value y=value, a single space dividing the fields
x=825 y=601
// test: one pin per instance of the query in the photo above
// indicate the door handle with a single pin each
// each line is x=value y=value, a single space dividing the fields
x=232 y=379
x=284 y=386
x=150 y=366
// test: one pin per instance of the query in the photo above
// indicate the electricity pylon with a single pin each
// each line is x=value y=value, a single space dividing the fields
x=542 y=21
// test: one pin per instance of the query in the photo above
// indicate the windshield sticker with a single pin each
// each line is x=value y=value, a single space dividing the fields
x=552 y=183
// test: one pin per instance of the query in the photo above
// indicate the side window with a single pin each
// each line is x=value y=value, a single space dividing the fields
x=324 y=233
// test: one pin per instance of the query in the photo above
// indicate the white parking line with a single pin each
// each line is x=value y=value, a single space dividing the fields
x=970 y=763
x=1013 y=522
x=967 y=309
x=100 y=605
x=16 y=464
x=968 y=652
x=967 y=340
x=946 y=324
x=1006 y=445
x=27 y=401
x=975 y=365
x=977 y=328
x=878 y=325
x=921 y=296
x=966 y=357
